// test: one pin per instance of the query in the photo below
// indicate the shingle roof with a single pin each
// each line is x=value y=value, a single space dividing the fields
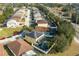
x=19 y=47
x=35 y=34
x=2 y=51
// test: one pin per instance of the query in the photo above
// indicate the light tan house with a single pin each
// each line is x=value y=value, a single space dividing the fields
x=42 y=23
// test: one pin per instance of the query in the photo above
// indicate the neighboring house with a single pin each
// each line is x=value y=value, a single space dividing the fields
x=21 y=17
x=42 y=26
x=19 y=47
x=37 y=14
x=62 y=14
x=17 y=19
x=2 y=51
x=42 y=23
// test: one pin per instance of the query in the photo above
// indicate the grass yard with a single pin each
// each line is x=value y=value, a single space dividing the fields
x=8 y=31
x=72 y=51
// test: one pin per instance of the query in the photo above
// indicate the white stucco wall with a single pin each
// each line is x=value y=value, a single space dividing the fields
x=12 y=23
x=43 y=25
x=27 y=18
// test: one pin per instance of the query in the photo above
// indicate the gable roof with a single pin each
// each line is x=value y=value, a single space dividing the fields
x=19 y=47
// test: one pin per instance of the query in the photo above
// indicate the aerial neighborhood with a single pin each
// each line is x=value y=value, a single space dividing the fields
x=35 y=29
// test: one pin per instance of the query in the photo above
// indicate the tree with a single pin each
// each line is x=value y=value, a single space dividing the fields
x=64 y=36
x=8 y=11
x=61 y=43
x=2 y=18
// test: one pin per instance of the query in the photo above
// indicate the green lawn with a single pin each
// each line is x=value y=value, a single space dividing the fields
x=8 y=31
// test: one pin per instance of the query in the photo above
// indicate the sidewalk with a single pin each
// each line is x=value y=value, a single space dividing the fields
x=76 y=40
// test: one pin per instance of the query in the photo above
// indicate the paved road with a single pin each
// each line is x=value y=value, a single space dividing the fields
x=76 y=27
x=77 y=35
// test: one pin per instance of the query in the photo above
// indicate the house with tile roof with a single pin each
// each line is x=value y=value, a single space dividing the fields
x=42 y=26
x=47 y=31
x=19 y=47
x=2 y=51
x=37 y=14
x=17 y=18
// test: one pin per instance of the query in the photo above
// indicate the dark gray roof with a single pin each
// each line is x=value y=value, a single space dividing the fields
x=35 y=34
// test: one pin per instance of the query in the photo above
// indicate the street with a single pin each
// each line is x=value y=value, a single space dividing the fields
x=76 y=27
